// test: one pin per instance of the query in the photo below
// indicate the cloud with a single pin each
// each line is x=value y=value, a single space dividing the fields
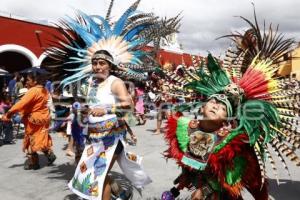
x=203 y=21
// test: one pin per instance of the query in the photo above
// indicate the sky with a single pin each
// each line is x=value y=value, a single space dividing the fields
x=202 y=20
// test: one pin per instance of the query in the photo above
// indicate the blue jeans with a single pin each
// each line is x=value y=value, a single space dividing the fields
x=6 y=128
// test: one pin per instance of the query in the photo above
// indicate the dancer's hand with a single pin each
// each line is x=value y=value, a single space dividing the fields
x=98 y=112
x=133 y=138
x=4 y=118
x=197 y=195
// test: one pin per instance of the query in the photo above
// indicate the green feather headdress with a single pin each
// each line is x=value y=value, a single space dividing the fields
x=254 y=116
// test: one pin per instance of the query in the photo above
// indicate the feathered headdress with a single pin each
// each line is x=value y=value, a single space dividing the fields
x=123 y=39
x=262 y=52
x=264 y=106
x=266 y=44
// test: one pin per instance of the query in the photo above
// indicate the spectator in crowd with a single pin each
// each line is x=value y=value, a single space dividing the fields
x=4 y=88
x=36 y=118
x=6 y=127
x=163 y=104
x=12 y=85
x=19 y=84
x=139 y=104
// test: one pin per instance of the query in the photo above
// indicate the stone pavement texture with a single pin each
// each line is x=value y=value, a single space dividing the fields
x=50 y=182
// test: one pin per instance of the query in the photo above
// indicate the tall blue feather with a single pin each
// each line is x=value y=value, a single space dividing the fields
x=119 y=26
x=107 y=28
x=93 y=26
x=133 y=32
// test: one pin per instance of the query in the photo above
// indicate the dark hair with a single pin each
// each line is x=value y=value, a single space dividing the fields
x=5 y=97
x=16 y=74
x=140 y=84
x=40 y=79
x=19 y=78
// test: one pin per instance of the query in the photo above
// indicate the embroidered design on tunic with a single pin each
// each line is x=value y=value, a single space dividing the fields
x=100 y=164
x=83 y=167
x=90 y=151
x=86 y=187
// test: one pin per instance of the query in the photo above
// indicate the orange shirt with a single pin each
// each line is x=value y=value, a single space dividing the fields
x=33 y=105
x=36 y=118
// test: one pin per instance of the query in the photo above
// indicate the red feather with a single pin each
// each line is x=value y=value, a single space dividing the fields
x=225 y=156
x=170 y=136
x=254 y=83
x=234 y=79
x=252 y=77
x=258 y=90
x=248 y=71
x=248 y=84
x=252 y=177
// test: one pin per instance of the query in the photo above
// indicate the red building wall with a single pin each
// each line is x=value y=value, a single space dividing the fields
x=36 y=38
x=27 y=34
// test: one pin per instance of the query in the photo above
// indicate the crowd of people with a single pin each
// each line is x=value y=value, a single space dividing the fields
x=221 y=118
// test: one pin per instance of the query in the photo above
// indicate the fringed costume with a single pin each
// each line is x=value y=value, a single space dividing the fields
x=124 y=40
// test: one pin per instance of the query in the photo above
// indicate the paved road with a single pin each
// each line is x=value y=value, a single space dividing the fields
x=49 y=183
